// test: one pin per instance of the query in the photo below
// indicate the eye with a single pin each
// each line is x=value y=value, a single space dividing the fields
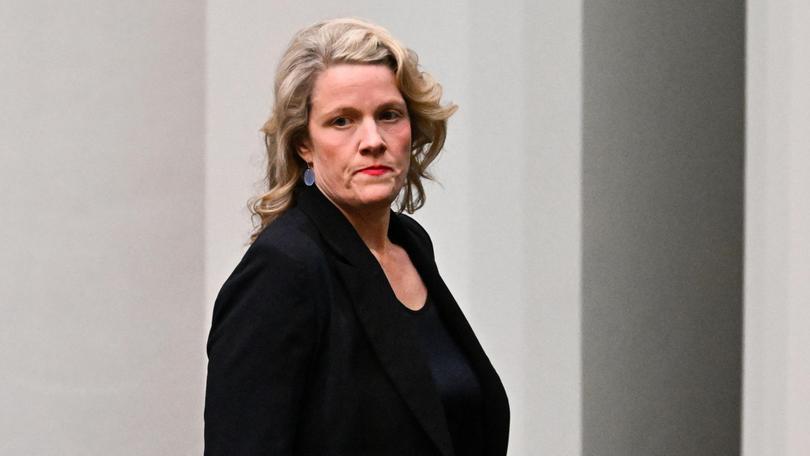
x=340 y=122
x=390 y=115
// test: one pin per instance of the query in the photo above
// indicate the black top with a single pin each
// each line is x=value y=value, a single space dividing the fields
x=455 y=380
x=310 y=353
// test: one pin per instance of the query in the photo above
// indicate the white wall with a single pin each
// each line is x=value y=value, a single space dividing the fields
x=776 y=416
x=505 y=217
x=101 y=184
x=107 y=110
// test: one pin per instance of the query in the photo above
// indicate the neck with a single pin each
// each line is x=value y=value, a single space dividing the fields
x=372 y=226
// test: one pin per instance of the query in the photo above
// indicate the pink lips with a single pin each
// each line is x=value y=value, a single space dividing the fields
x=375 y=170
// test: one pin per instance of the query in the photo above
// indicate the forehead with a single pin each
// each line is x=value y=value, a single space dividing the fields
x=354 y=83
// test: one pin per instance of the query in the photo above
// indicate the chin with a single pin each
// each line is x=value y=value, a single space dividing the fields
x=377 y=202
x=377 y=197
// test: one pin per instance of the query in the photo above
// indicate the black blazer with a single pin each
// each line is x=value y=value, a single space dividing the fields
x=309 y=353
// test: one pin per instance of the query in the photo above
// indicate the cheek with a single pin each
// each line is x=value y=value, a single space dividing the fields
x=330 y=152
x=406 y=131
x=401 y=137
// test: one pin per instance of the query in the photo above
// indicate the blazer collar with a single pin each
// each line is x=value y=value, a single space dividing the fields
x=378 y=310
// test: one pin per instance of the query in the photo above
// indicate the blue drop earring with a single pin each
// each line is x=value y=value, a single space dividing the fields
x=309 y=176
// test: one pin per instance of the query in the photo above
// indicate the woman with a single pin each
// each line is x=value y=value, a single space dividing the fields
x=335 y=335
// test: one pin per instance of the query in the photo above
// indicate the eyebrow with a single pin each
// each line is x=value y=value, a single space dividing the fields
x=385 y=105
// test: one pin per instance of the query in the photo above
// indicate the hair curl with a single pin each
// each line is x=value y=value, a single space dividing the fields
x=311 y=52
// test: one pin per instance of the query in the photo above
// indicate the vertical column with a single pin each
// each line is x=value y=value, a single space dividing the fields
x=497 y=212
x=662 y=226
x=101 y=189
x=551 y=202
x=776 y=416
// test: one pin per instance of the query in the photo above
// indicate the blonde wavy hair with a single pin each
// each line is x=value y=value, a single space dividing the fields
x=311 y=52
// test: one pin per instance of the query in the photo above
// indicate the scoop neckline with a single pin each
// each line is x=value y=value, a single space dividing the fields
x=416 y=311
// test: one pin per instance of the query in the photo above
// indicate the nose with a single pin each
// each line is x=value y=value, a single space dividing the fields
x=371 y=140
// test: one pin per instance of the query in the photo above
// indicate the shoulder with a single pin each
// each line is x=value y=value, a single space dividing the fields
x=286 y=256
x=275 y=272
x=291 y=238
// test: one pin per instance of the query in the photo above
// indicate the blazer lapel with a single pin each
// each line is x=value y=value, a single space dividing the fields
x=385 y=325
x=496 y=412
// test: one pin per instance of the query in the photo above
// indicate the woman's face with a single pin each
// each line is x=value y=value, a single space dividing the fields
x=359 y=136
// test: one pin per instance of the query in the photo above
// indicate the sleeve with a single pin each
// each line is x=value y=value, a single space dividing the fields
x=262 y=340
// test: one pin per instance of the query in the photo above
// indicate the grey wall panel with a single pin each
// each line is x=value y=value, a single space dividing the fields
x=101 y=246
x=662 y=226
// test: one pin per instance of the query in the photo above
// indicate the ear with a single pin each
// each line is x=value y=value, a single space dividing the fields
x=305 y=150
